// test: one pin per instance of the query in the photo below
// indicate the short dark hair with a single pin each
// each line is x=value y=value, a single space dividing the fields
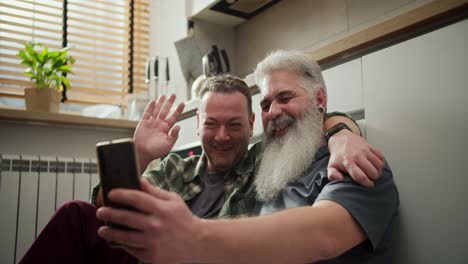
x=227 y=83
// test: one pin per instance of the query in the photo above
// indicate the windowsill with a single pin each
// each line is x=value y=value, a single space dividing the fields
x=21 y=115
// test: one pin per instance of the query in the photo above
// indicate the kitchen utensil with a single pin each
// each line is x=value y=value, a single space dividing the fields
x=217 y=60
x=148 y=76
x=226 y=61
x=166 y=83
x=208 y=66
x=156 y=77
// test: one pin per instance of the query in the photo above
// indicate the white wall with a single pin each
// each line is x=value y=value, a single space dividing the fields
x=167 y=25
x=54 y=140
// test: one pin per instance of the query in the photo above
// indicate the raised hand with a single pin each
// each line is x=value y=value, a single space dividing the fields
x=353 y=154
x=156 y=132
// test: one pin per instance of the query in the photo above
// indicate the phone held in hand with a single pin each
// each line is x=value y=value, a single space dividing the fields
x=118 y=168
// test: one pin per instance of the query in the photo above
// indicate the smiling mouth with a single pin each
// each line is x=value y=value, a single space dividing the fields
x=280 y=131
x=280 y=126
x=222 y=148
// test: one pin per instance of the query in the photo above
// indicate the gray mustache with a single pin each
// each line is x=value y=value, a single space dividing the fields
x=284 y=120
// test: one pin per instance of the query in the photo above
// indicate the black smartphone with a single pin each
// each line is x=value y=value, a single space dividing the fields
x=118 y=168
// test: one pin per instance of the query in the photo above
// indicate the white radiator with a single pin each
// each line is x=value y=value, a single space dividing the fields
x=31 y=189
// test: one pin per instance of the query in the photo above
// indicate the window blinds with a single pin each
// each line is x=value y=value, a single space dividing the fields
x=108 y=38
x=22 y=21
x=98 y=32
x=141 y=43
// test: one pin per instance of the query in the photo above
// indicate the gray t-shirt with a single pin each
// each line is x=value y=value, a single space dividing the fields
x=208 y=203
x=375 y=209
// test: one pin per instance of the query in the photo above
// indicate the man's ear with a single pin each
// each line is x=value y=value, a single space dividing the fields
x=198 y=120
x=321 y=98
x=251 y=123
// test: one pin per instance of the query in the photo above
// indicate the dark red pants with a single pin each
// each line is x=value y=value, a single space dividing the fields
x=71 y=237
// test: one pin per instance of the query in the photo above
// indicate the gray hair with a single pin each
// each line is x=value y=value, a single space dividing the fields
x=227 y=84
x=300 y=62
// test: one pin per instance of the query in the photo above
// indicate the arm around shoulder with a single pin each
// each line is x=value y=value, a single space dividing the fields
x=299 y=235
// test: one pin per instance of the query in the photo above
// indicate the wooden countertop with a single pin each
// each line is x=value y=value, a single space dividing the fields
x=21 y=115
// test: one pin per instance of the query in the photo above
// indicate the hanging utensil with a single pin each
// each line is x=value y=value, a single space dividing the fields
x=208 y=67
x=156 y=77
x=166 y=85
x=216 y=59
x=147 y=76
x=226 y=61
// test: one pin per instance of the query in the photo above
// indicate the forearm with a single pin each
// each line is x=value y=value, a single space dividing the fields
x=291 y=236
x=330 y=122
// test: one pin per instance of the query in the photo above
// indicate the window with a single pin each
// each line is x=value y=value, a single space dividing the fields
x=108 y=38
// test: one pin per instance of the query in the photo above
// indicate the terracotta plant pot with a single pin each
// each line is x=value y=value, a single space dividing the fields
x=44 y=100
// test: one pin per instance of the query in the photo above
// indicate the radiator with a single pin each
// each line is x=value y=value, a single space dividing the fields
x=31 y=189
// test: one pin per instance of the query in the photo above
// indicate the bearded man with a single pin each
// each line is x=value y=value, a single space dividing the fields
x=304 y=217
x=295 y=151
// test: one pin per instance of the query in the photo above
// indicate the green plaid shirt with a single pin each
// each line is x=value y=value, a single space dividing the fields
x=183 y=176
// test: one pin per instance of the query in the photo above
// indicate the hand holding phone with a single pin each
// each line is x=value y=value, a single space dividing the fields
x=118 y=168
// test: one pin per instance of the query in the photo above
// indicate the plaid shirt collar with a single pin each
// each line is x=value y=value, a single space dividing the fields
x=236 y=179
x=244 y=167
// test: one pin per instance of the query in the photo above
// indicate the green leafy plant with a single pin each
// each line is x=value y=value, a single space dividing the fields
x=48 y=69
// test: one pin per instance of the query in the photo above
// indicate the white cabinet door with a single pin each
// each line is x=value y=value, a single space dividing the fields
x=344 y=87
x=416 y=102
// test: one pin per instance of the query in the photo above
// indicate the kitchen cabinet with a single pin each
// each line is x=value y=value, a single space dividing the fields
x=344 y=87
x=417 y=114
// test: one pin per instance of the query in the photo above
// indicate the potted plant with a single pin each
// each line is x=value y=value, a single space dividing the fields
x=48 y=69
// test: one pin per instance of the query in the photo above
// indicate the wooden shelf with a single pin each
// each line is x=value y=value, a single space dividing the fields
x=21 y=115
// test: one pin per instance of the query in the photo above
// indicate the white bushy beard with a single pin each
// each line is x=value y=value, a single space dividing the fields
x=287 y=157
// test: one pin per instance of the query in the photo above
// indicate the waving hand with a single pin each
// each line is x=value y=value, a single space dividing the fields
x=156 y=132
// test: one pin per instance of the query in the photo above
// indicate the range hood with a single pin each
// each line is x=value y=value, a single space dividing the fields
x=243 y=8
x=233 y=12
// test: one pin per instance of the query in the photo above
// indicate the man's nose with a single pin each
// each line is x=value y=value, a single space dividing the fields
x=222 y=134
x=274 y=111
